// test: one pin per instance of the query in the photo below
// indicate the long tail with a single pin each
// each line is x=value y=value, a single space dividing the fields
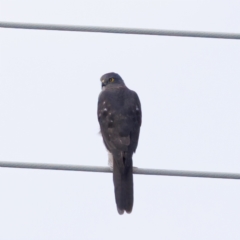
x=123 y=185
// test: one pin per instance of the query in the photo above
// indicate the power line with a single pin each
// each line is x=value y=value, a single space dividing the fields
x=143 y=171
x=156 y=32
x=177 y=173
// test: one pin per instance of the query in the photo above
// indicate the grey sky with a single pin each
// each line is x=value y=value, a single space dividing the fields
x=189 y=89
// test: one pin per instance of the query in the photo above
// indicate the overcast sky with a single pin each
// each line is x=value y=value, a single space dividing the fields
x=190 y=94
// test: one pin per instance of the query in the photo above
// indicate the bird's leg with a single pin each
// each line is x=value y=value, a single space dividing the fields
x=110 y=160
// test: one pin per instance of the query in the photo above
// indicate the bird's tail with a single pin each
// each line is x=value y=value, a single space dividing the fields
x=123 y=184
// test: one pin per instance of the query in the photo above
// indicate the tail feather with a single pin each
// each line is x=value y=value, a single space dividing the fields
x=123 y=185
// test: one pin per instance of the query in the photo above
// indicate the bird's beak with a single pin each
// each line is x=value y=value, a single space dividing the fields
x=103 y=84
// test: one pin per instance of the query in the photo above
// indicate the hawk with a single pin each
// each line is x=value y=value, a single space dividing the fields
x=120 y=117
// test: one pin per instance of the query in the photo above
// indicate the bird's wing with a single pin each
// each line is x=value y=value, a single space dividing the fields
x=119 y=115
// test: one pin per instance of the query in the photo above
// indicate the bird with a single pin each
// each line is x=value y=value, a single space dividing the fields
x=120 y=118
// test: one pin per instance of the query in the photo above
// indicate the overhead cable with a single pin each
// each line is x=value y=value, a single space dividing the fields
x=142 y=171
x=139 y=31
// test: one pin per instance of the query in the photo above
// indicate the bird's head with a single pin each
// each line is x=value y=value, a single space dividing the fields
x=111 y=80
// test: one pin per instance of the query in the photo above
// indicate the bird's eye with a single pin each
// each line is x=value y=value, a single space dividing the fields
x=111 y=79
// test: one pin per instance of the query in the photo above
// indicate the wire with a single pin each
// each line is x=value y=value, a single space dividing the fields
x=74 y=28
x=143 y=171
x=176 y=173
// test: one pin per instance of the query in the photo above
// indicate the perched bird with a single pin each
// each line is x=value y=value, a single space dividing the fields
x=120 y=117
